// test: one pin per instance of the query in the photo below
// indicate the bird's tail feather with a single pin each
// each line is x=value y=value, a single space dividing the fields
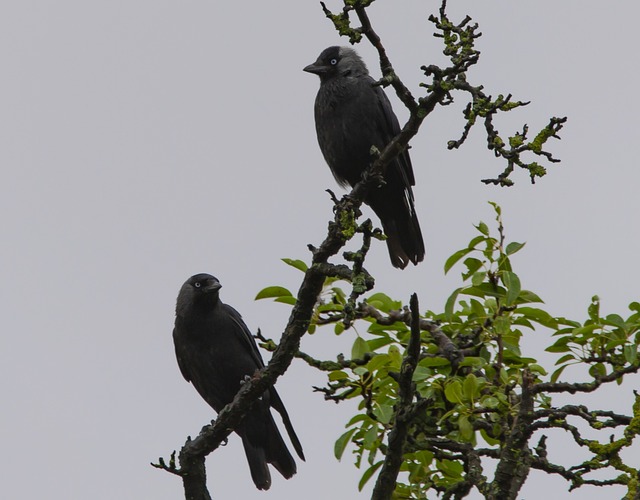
x=404 y=242
x=263 y=444
x=278 y=455
x=401 y=226
x=257 y=464
x=278 y=405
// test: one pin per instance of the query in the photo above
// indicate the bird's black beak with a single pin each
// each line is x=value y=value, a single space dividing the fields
x=212 y=286
x=316 y=68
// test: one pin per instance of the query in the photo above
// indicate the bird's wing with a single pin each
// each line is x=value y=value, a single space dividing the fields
x=179 y=355
x=391 y=128
x=243 y=333
x=274 y=397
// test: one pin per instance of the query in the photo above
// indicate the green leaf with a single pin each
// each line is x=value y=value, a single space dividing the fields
x=521 y=321
x=453 y=391
x=598 y=370
x=615 y=320
x=466 y=429
x=478 y=309
x=474 y=361
x=360 y=371
x=490 y=249
x=436 y=361
x=383 y=302
x=512 y=358
x=370 y=437
x=631 y=353
x=504 y=264
x=555 y=375
x=527 y=296
x=447 y=415
x=359 y=349
x=360 y=417
x=474 y=242
x=451 y=261
x=539 y=316
x=378 y=361
x=341 y=443
x=383 y=412
x=421 y=373
x=483 y=228
x=470 y=386
x=585 y=330
x=490 y=441
x=566 y=322
x=594 y=308
x=286 y=300
x=273 y=291
x=478 y=278
x=337 y=375
x=513 y=247
x=560 y=345
x=338 y=293
x=375 y=344
x=472 y=265
x=484 y=290
x=512 y=282
x=298 y=264
x=395 y=357
x=496 y=207
x=451 y=468
x=504 y=375
x=565 y=358
x=368 y=473
x=490 y=402
x=451 y=302
x=377 y=329
x=330 y=307
x=536 y=368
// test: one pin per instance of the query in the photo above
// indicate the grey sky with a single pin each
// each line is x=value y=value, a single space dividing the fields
x=144 y=141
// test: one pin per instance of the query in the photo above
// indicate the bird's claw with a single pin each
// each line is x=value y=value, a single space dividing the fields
x=333 y=196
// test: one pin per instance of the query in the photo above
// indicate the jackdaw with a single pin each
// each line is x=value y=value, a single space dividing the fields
x=215 y=352
x=352 y=115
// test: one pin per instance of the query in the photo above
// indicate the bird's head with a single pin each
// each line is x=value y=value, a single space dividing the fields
x=337 y=61
x=199 y=289
x=204 y=284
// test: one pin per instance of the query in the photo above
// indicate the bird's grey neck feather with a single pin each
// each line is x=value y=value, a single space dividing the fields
x=351 y=64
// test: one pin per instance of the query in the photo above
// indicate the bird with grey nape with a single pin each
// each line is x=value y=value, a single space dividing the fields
x=216 y=352
x=352 y=115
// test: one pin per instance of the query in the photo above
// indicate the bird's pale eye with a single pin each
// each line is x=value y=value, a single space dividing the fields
x=197 y=284
x=333 y=62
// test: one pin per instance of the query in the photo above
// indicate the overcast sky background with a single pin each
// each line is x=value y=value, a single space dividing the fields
x=142 y=142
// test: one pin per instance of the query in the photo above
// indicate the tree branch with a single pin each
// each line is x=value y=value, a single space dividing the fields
x=515 y=456
x=340 y=230
x=572 y=388
x=386 y=481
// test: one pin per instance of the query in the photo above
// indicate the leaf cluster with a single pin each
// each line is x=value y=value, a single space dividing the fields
x=476 y=395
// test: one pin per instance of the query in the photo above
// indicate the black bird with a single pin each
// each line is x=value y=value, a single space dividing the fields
x=215 y=352
x=352 y=115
